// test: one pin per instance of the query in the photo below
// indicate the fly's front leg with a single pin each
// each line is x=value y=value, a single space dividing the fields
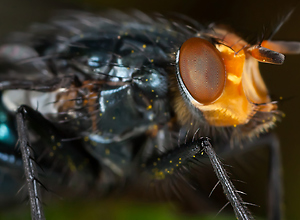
x=65 y=162
x=30 y=168
x=275 y=194
x=241 y=211
x=28 y=157
x=175 y=162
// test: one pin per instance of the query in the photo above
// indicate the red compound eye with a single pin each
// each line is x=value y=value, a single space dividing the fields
x=202 y=70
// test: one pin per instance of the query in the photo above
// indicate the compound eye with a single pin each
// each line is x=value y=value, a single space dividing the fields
x=202 y=70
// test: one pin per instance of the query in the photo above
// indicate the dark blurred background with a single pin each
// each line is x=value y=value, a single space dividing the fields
x=248 y=18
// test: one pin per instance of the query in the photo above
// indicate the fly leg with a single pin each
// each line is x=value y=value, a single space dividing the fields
x=241 y=211
x=175 y=162
x=30 y=168
x=275 y=181
x=38 y=85
x=58 y=153
x=275 y=193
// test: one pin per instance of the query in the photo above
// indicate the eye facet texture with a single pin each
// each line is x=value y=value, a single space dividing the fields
x=202 y=70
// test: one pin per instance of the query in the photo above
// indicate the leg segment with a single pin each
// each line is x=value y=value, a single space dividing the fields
x=64 y=161
x=175 y=162
x=30 y=168
x=275 y=194
x=241 y=211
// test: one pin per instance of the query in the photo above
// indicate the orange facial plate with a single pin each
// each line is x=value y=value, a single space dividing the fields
x=243 y=87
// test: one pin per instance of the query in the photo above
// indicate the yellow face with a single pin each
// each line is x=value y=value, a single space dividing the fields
x=223 y=81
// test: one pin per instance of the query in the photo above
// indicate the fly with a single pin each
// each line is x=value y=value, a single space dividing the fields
x=100 y=101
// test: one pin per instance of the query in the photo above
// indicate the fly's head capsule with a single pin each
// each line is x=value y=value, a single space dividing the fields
x=220 y=82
